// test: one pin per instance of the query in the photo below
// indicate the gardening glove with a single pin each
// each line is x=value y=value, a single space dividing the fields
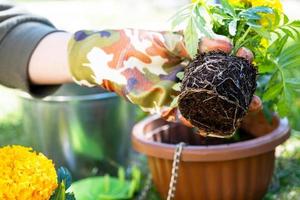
x=139 y=65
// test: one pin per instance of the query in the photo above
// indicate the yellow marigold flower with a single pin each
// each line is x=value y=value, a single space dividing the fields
x=275 y=4
x=264 y=43
x=239 y=2
x=25 y=175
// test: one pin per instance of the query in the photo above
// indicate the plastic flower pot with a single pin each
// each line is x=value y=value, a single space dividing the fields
x=240 y=170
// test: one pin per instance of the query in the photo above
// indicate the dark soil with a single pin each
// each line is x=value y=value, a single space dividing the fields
x=176 y=133
x=216 y=92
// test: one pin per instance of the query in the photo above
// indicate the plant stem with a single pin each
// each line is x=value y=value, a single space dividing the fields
x=238 y=44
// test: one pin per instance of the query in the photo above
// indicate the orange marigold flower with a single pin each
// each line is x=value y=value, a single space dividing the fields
x=25 y=174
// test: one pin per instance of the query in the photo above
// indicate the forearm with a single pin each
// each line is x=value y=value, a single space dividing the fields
x=49 y=61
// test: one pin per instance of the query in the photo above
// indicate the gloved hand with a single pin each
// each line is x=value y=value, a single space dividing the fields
x=139 y=65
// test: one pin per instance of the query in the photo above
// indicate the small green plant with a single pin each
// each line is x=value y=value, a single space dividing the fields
x=260 y=26
x=64 y=182
x=107 y=187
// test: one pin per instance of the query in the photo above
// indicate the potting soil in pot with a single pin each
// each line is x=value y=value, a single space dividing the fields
x=176 y=133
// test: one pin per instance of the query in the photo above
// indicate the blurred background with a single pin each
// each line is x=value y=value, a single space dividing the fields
x=62 y=118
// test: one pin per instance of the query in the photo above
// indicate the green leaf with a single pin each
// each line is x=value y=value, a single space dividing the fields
x=286 y=19
x=267 y=113
x=106 y=187
x=289 y=33
x=191 y=38
x=250 y=16
x=262 y=32
x=296 y=23
x=233 y=27
x=289 y=53
x=184 y=9
x=174 y=103
x=277 y=18
x=266 y=67
x=283 y=105
x=201 y=23
x=121 y=174
x=292 y=63
x=276 y=48
x=293 y=82
x=272 y=92
x=63 y=175
x=297 y=33
x=70 y=197
x=253 y=13
x=179 y=19
x=177 y=87
x=200 y=18
x=60 y=192
x=180 y=75
x=227 y=7
x=260 y=9
x=204 y=31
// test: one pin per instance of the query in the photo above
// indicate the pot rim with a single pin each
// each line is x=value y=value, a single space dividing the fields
x=221 y=152
x=75 y=98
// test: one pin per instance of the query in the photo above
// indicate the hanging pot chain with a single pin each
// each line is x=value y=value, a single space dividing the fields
x=146 y=189
x=175 y=168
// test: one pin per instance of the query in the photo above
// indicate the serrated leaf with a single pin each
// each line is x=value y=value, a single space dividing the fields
x=284 y=103
x=255 y=25
x=289 y=53
x=181 y=11
x=250 y=16
x=262 y=32
x=293 y=82
x=285 y=19
x=276 y=48
x=233 y=27
x=252 y=13
x=180 y=75
x=292 y=63
x=297 y=32
x=191 y=38
x=260 y=9
x=272 y=92
x=174 y=103
x=275 y=79
x=179 y=19
x=177 y=87
x=266 y=67
x=200 y=18
x=202 y=30
x=296 y=23
x=277 y=18
x=227 y=7
x=289 y=33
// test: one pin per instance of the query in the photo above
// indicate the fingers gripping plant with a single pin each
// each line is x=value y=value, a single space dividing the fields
x=217 y=88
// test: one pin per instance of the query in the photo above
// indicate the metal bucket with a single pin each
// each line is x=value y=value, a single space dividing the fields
x=86 y=130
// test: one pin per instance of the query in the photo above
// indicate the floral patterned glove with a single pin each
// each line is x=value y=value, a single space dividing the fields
x=139 y=65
